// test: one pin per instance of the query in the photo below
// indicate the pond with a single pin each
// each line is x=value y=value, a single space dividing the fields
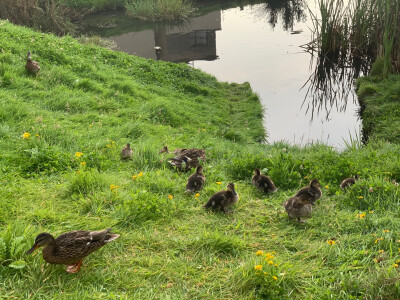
x=258 y=43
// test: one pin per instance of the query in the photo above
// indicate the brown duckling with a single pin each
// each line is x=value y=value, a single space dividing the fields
x=262 y=182
x=313 y=191
x=348 y=182
x=188 y=158
x=196 y=181
x=32 y=66
x=126 y=152
x=71 y=247
x=299 y=207
x=223 y=200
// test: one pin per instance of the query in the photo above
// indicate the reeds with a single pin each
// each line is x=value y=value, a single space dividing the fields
x=159 y=9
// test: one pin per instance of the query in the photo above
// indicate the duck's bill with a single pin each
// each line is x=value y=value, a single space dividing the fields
x=34 y=247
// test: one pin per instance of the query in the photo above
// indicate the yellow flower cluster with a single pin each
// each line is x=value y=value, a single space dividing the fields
x=361 y=216
x=386 y=230
x=26 y=135
x=331 y=242
x=111 y=144
x=269 y=256
x=136 y=176
x=113 y=187
x=258 y=267
x=378 y=239
x=78 y=154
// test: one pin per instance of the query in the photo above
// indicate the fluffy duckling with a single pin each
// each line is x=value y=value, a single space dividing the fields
x=188 y=158
x=262 y=182
x=126 y=152
x=70 y=248
x=313 y=191
x=299 y=207
x=32 y=66
x=348 y=182
x=223 y=200
x=196 y=181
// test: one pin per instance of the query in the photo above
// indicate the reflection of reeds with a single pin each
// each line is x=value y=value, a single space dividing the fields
x=159 y=9
x=346 y=39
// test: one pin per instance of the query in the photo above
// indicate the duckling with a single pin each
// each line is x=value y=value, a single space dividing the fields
x=196 y=181
x=70 y=248
x=164 y=150
x=262 y=182
x=188 y=158
x=312 y=191
x=32 y=66
x=126 y=152
x=299 y=207
x=348 y=182
x=223 y=199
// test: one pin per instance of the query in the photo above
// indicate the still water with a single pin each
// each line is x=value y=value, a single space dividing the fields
x=257 y=43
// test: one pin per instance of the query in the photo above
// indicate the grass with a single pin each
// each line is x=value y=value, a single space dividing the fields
x=61 y=135
x=159 y=9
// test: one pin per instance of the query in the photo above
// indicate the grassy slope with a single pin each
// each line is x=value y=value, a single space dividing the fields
x=381 y=101
x=93 y=101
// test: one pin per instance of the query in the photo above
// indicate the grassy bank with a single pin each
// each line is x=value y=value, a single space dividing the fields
x=91 y=100
x=379 y=100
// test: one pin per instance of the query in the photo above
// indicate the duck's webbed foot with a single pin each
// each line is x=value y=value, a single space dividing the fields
x=74 y=268
x=301 y=221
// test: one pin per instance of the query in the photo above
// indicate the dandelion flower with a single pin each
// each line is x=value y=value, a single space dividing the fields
x=197 y=195
x=83 y=163
x=78 y=154
x=274 y=278
x=218 y=182
x=78 y=172
x=371 y=211
x=381 y=251
x=134 y=177
x=395 y=265
x=270 y=262
x=259 y=253
x=140 y=174
x=361 y=216
x=258 y=267
x=331 y=242
x=327 y=186
x=386 y=230
x=113 y=187
x=26 y=135
x=170 y=197
x=360 y=197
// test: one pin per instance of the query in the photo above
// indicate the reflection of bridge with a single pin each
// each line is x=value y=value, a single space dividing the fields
x=194 y=40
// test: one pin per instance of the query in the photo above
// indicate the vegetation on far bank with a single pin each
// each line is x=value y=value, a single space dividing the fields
x=62 y=132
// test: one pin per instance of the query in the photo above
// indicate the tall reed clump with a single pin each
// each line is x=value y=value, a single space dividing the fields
x=45 y=15
x=159 y=9
x=359 y=29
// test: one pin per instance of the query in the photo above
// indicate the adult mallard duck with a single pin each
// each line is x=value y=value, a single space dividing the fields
x=348 y=182
x=188 y=158
x=32 y=66
x=262 y=182
x=196 y=181
x=313 y=191
x=71 y=247
x=298 y=207
x=223 y=200
x=126 y=152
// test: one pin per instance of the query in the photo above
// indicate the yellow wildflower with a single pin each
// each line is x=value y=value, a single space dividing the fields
x=274 y=278
x=258 y=267
x=361 y=216
x=259 y=253
x=381 y=251
x=377 y=240
x=375 y=260
x=371 y=211
x=26 y=135
x=78 y=154
x=360 y=197
x=83 y=163
x=327 y=186
x=170 y=197
x=331 y=242
x=140 y=174
x=386 y=230
x=197 y=195
x=270 y=262
x=395 y=265
x=113 y=187
x=134 y=177
x=218 y=182
x=78 y=172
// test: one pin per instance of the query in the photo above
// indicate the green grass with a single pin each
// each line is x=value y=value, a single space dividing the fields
x=93 y=101
x=159 y=9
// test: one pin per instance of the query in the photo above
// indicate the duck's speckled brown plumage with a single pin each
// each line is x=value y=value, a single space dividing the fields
x=126 y=152
x=31 y=66
x=313 y=191
x=262 y=182
x=347 y=182
x=196 y=181
x=188 y=158
x=71 y=247
x=298 y=207
x=222 y=200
